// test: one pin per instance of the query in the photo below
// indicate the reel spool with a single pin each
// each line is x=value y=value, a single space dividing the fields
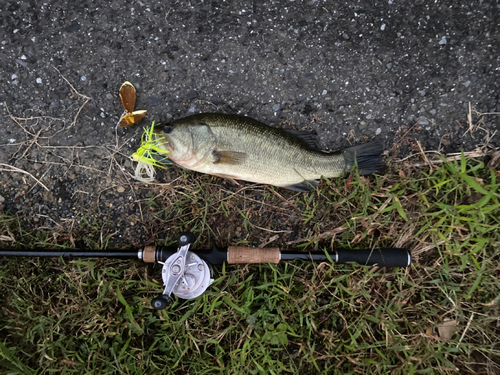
x=184 y=274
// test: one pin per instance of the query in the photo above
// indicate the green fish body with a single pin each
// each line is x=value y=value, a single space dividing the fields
x=238 y=147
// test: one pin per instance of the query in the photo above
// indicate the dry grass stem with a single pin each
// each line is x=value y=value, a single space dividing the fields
x=11 y=168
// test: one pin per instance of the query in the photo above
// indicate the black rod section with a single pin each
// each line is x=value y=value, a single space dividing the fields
x=213 y=256
x=317 y=256
x=36 y=252
x=385 y=257
x=393 y=257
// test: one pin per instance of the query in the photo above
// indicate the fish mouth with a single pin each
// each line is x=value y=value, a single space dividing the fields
x=168 y=145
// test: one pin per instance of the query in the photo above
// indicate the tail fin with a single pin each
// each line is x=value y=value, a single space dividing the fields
x=368 y=157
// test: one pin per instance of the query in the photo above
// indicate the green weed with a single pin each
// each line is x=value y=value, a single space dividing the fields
x=94 y=316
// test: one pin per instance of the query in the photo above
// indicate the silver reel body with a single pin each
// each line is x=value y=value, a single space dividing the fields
x=184 y=274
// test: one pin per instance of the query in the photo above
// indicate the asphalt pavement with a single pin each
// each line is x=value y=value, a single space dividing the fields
x=403 y=71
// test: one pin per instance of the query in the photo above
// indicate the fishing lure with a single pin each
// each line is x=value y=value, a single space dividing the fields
x=127 y=97
x=148 y=155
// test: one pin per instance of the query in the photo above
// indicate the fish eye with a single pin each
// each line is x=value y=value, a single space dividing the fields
x=168 y=129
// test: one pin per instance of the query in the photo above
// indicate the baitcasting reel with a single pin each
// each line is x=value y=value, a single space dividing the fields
x=184 y=274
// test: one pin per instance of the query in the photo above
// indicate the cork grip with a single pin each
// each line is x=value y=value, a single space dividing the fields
x=240 y=254
x=148 y=255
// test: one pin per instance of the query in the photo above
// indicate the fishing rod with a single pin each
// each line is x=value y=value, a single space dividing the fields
x=186 y=273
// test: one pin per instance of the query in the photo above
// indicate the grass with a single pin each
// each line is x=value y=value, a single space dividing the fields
x=438 y=316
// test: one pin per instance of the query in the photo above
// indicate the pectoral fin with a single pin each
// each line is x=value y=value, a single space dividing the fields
x=229 y=157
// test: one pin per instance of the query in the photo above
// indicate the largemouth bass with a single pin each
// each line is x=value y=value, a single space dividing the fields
x=241 y=148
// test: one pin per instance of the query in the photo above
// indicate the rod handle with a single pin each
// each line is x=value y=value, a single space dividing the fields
x=392 y=257
x=246 y=255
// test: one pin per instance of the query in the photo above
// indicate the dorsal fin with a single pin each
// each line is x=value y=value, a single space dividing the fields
x=307 y=138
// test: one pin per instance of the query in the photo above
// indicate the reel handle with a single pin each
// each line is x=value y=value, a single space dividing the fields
x=161 y=302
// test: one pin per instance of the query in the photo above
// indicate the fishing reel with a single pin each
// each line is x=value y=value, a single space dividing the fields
x=184 y=274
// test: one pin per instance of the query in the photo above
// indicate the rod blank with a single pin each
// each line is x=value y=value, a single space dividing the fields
x=390 y=257
x=36 y=252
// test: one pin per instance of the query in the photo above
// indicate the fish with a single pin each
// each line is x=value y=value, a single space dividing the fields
x=127 y=96
x=241 y=148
